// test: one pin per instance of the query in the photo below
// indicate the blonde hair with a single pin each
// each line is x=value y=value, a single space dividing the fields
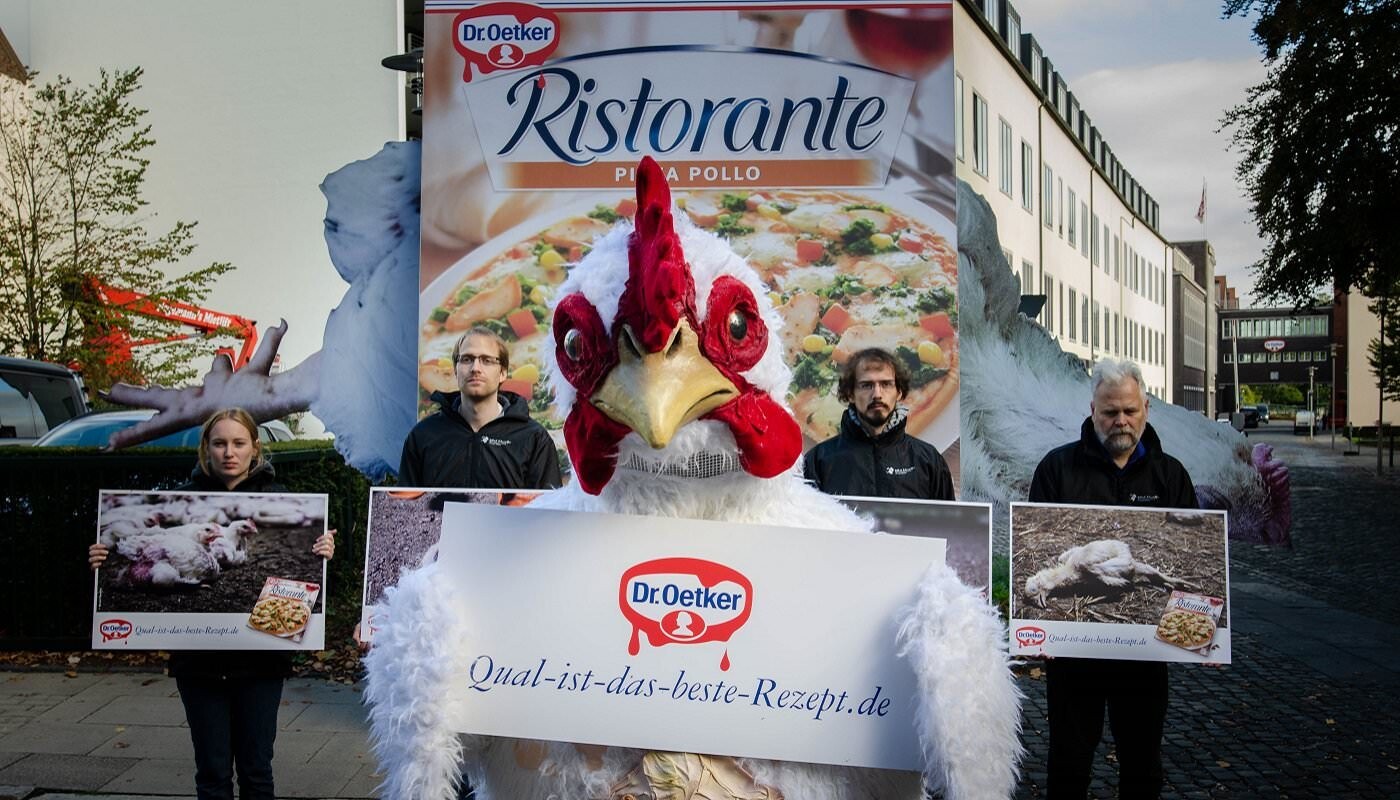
x=242 y=418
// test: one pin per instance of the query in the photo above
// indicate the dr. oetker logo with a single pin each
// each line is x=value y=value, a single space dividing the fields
x=684 y=601
x=114 y=629
x=1030 y=636
x=502 y=36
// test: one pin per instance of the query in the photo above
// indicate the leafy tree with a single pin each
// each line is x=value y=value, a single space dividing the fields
x=72 y=166
x=1318 y=145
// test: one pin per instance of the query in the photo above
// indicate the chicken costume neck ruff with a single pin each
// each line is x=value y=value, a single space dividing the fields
x=668 y=363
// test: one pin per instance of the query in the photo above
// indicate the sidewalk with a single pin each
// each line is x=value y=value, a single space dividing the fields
x=1305 y=711
x=123 y=735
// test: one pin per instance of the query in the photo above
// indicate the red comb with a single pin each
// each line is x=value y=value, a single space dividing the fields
x=660 y=289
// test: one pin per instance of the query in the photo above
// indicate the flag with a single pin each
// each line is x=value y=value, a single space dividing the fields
x=1201 y=209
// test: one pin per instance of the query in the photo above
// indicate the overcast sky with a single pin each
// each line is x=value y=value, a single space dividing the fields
x=1156 y=76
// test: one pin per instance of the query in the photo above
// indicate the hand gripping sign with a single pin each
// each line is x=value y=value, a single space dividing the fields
x=504 y=36
x=684 y=601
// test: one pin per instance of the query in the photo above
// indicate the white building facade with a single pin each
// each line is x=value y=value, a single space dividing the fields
x=1073 y=223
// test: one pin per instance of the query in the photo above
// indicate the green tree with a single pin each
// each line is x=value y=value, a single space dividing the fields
x=72 y=168
x=1318 y=145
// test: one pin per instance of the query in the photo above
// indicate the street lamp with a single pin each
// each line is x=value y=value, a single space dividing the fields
x=1312 y=404
x=1332 y=398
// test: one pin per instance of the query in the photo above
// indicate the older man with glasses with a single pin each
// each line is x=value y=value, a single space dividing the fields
x=873 y=456
x=480 y=437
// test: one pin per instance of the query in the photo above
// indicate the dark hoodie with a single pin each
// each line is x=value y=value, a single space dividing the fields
x=511 y=451
x=1083 y=472
x=223 y=665
x=889 y=464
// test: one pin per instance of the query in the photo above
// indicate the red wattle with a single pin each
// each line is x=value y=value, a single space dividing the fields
x=592 y=437
x=768 y=437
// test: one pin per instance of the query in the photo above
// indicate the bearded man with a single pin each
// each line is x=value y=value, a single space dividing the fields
x=873 y=456
x=1118 y=461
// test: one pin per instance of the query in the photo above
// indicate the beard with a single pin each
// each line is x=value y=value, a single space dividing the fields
x=875 y=416
x=1119 y=442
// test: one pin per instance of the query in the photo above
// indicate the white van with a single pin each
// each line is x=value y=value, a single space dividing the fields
x=1303 y=421
x=36 y=396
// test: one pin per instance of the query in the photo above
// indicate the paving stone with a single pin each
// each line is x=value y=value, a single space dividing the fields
x=154 y=776
x=57 y=738
x=73 y=709
x=56 y=771
x=140 y=710
x=47 y=683
x=345 y=748
x=338 y=717
x=365 y=783
x=148 y=741
x=7 y=758
x=299 y=747
x=145 y=684
x=319 y=691
x=312 y=780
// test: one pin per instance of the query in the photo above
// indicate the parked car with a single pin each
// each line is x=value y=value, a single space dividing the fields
x=1304 y=419
x=36 y=397
x=1263 y=414
x=93 y=430
x=1251 y=416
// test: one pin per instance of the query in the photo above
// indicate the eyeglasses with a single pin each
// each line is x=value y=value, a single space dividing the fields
x=467 y=359
x=869 y=386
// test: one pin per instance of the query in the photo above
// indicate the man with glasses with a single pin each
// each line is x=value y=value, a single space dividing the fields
x=480 y=437
x=873 y=456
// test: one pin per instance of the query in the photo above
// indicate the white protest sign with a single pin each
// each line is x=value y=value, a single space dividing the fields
x=684 y=635
x=1135 y=584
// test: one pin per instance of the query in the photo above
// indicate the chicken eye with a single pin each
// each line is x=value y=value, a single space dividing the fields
x=571 y=344
x=738 y=325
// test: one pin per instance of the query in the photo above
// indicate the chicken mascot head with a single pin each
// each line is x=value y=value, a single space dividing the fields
x=667 y=359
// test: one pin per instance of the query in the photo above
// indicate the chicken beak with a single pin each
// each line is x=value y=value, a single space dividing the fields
x=655 y=394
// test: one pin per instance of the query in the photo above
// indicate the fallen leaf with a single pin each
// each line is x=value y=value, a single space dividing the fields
x=1331 y=721
x=1223 y=764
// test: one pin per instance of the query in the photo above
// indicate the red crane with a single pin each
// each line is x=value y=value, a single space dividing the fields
x=206 y=322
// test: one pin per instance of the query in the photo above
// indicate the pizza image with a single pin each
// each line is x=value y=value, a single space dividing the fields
x=845 y=270
x=1186 y=629
x=279 y=616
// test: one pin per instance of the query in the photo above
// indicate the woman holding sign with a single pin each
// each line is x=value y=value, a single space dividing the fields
x=231 y=697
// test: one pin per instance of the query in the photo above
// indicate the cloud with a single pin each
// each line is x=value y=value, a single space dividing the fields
x=1162 y=122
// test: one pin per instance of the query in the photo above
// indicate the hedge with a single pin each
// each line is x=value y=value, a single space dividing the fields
x=48 y=517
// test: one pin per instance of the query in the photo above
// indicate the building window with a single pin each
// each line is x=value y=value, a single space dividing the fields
x=1290 y=356
x=1275 y=358
x=1320 y=355
x=1047 y=196
x=958 y=115
x=1073 y=319
x=979 y=134
x=1094 y=234
x=1117 y=321
x=1084 y=320
x=1229 y=359
x=1117 y=259
x=1096 y=324
x=1004 y=179
x=1073 y=229
x=1027 y=277
x=1048 y=289
x=1010 y=264
x=1061 y=304
x=1107 y=263
x=1027 y=176
x=1060 y=206
x=1084 y=228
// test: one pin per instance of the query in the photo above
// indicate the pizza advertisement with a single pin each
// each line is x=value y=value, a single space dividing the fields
x=284 y=608
x=825 y=168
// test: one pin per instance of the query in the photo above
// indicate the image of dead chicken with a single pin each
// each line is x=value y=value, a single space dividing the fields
x=203 y=553
x=1088 y=564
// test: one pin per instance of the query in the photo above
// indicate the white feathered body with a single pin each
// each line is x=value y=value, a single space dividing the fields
x=968 y=717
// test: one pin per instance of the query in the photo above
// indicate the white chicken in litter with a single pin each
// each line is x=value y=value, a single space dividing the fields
x=1093 y=568
x=163 y=558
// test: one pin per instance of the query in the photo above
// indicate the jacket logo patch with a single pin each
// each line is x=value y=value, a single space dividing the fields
x=1143 y=498
x=495 y=442
x=898 y=470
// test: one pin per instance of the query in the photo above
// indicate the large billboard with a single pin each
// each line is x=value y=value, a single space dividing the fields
x=816 y=142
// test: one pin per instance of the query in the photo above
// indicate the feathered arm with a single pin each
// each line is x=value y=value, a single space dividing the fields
x=414 y=669
x=969 y=718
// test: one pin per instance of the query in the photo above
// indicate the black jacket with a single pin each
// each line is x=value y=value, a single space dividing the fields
x=221 y=665
x=892 y=464
x=1083 y=472
x=511 y=451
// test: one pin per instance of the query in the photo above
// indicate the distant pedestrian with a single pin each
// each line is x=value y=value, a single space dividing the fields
x=1118 y=460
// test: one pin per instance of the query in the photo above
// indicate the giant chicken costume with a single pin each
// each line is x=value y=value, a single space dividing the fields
x=668 y=361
